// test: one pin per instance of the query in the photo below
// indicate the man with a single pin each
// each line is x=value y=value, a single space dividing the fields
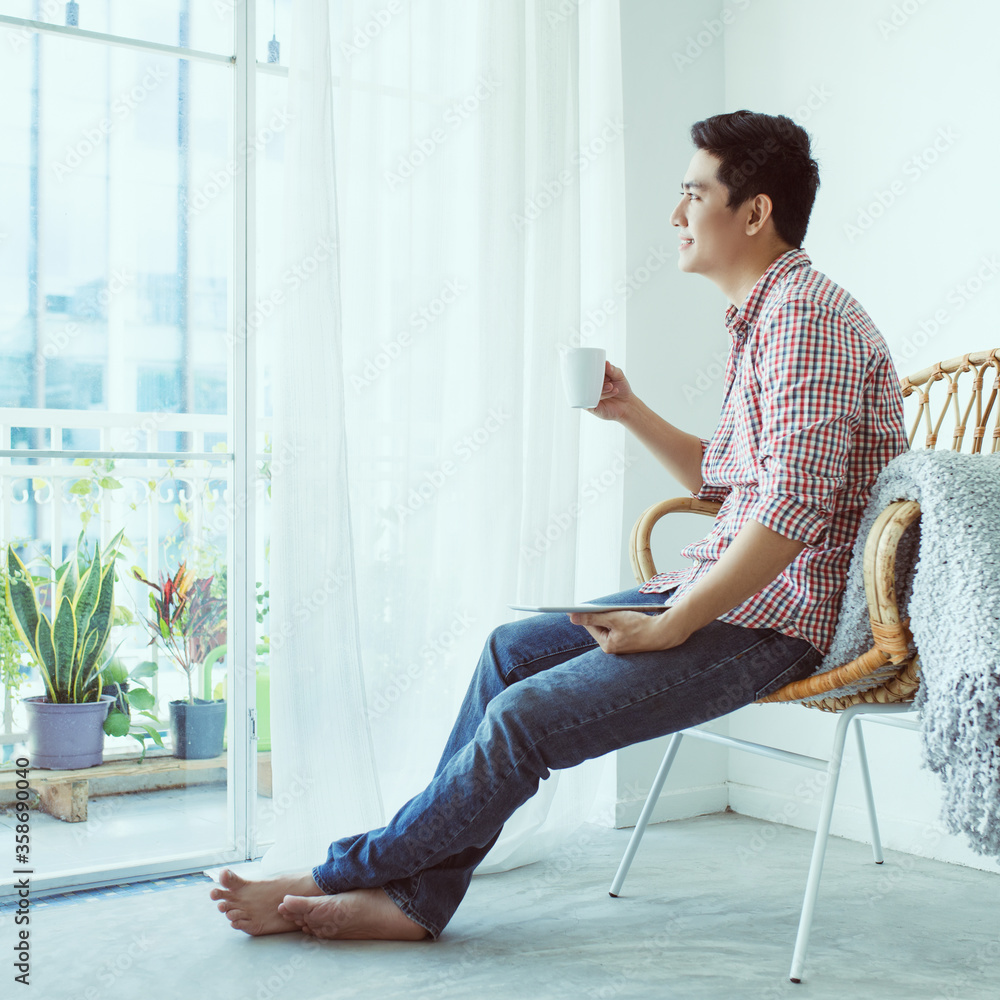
x=812 y=413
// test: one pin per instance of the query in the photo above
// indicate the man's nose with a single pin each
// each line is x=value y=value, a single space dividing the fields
x=677 y=217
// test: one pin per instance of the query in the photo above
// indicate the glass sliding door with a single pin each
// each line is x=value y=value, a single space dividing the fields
x=267 y=141
x=127 y=412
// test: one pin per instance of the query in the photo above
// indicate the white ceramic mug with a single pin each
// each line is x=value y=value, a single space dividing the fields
x=583 y=375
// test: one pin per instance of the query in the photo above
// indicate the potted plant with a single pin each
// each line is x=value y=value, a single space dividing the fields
x=131 y=694
x=190 y=621
x=65 y=725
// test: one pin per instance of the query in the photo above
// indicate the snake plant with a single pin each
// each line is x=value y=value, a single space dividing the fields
x=68 y=648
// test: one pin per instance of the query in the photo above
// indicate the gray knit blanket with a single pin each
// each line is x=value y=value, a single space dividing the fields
x=948 y=581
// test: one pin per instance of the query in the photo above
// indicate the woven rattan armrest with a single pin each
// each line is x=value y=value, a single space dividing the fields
x=889 y=659
x=639 y=551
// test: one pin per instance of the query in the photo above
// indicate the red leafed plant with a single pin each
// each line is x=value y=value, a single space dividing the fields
x=187 y=617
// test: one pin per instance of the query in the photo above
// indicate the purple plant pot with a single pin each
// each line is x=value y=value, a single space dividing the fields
x=64 y=737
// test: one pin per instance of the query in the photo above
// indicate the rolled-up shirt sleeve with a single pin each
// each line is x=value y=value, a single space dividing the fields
x=707 y=492
x=812 y=371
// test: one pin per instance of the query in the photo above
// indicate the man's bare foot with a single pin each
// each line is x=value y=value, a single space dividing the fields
x=252 y=907
x=356 y=915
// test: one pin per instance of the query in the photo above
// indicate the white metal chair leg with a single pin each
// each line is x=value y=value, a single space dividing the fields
x=819 y=846
x=869 y=797
x=647 y=811
x=881 y=713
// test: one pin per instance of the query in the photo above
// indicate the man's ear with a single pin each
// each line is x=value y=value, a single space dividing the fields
x=758 y=210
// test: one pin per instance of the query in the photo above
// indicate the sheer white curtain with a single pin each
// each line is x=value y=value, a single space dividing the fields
x=466 y=163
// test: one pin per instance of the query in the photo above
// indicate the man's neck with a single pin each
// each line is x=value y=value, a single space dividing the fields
x=737 y=285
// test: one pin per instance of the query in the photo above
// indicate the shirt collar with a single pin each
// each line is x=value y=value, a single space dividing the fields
x=738 y=321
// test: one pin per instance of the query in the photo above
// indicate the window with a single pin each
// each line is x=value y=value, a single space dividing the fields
x=127 y=402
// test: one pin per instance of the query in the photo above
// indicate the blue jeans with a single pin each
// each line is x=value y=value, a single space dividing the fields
x=545 y=696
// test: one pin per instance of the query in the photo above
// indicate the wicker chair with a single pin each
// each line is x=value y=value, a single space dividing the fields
x=880 y=684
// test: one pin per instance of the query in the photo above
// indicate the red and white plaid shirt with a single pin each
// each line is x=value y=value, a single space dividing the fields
x=812 y=414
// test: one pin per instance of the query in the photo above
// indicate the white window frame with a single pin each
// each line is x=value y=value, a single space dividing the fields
x=242 y=776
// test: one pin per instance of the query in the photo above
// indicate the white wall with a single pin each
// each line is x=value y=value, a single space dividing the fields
x=903 y=120
x=902 y=110
x=675 y=329
x=675 y=321
x=880 y=106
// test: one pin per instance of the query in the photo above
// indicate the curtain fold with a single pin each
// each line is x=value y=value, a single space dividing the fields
x=432 y=471
x=319 y=688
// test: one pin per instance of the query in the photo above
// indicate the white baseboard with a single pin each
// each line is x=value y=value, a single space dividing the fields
x=898 y=833
x=681 y=804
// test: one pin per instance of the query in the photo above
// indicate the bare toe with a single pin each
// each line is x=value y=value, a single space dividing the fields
x=294 y=906
x=230 y=880
x=252 y=907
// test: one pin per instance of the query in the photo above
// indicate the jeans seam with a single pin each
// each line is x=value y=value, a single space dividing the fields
x=660 y=691
x=583 y=722
x=552 y=652
x=406 y=905
x=761 y=692
x=317 y=878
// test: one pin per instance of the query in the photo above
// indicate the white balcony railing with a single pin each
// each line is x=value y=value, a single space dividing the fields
x=164 y=477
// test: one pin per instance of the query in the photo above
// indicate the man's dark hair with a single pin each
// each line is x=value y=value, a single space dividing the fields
x=764 y=154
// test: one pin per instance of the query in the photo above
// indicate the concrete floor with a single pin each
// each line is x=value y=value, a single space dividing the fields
x=708 y=911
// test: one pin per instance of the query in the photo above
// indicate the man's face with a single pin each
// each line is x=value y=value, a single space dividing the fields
x=713 y=237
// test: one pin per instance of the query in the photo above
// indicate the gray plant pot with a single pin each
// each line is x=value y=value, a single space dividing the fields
x=198 y=729
x=63 y=737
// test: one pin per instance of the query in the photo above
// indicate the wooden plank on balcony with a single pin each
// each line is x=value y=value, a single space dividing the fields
x=114 y=768
x=66 y=800
x=64 y=794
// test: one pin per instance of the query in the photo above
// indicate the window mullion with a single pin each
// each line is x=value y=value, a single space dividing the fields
x=243 y=490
